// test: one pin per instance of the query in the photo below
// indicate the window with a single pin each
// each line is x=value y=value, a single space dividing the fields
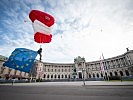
x=44 y=69
x=69 y=76
x=101 y=74
x=121 y=73
x=127 y=73
x=59 y=76
x=44 y=76
x=93 y=75
x=97 y=75
x=105 y=74
x=51 y=76
x=62 y=76
x=65 y=76
x=89 y=75
x=55 y=76
x=116 y=73
x=111 y=74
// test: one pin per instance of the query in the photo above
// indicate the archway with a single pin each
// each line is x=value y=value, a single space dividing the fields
x=51 y=76
x=65 y=76
x=55 y=76
x=58 y=76
x=97 y=75
x=121 y=73
x=89 y=75
x=111 y=74
x=62 y=76
x=93 y=75
x=44 y=75
x=101 y=74
x=127 y=73
x=116 y=73
x=80 y=75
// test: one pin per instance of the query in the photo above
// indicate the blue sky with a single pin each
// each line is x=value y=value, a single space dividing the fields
x=85 y=28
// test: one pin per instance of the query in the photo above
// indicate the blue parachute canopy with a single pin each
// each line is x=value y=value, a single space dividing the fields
x=21 y=59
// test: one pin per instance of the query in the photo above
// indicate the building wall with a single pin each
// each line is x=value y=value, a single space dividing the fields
x=121 y=65
x=49 y=71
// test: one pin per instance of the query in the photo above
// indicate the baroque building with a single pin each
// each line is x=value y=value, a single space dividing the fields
x=121 y=65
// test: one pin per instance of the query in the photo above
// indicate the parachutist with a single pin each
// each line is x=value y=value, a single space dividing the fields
x=39 y=52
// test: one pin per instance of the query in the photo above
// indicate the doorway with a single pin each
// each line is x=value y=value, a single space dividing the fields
x=80 y=75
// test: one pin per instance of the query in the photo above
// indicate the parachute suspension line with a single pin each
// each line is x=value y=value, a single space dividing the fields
x=40 y=40
x=40 y=45
x=40 y=50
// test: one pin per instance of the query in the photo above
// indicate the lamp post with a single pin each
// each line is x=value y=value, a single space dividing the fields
x=83 y=70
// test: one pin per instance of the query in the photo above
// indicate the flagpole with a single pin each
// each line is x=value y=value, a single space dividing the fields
x=105 y=68
x=102 y=67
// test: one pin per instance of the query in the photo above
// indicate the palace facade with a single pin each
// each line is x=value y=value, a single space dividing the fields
x=121 y=65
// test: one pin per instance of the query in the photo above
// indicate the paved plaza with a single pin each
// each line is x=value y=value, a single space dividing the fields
x=75 y=83
x=93 y=90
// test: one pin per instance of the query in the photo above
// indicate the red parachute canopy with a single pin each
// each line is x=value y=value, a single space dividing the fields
x=43 y=17
x=42 y=38
x=42 y=23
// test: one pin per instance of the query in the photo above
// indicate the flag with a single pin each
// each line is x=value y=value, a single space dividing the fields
x=21 y=59
x=101 y=63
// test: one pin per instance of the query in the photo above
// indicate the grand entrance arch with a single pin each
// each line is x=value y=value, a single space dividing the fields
x=80 y=75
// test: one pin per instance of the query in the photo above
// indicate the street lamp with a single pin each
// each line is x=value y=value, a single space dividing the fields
x=83 y=70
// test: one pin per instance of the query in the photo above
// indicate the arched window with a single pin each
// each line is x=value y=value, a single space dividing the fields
x=111 y=74
x=65 y=76
x=58 y=76
x=69 y=76
x=51 y=76
x=55 y=76
x=89 y=75
x=101 y=74
x=116 y=73
x=62 y=76
x=93 y=75
x=105 y=74
x=127 y=73
x=44 y=76
x=97 y=75
x=121 y=73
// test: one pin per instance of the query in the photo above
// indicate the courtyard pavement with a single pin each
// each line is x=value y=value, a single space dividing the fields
x=75 y=83
x=93 y=90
